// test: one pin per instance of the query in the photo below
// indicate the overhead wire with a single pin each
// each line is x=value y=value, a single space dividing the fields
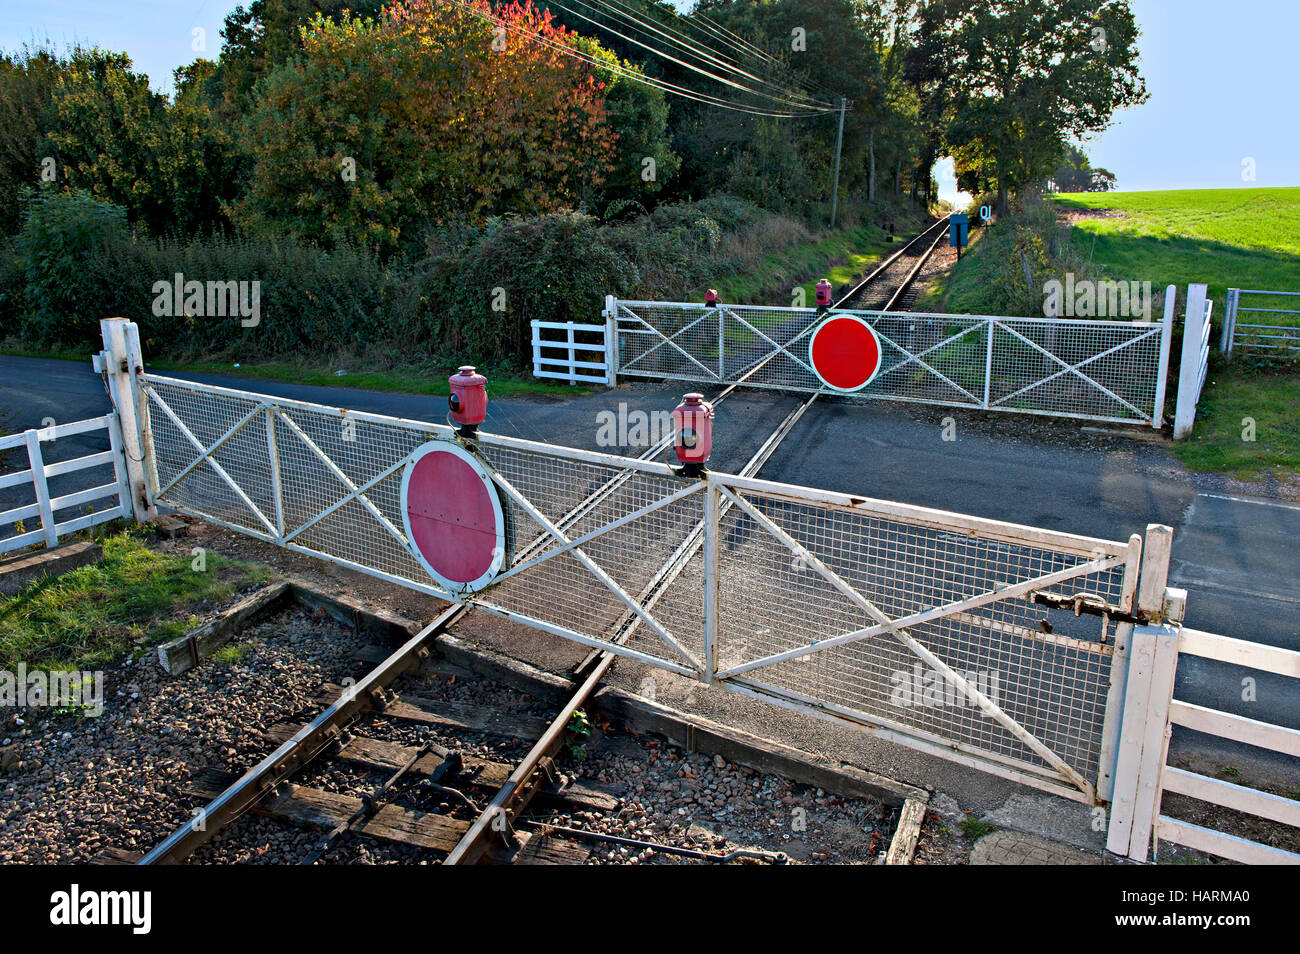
x=708 y=28
x=780 y=100
x=636 y=76
x=692 y=48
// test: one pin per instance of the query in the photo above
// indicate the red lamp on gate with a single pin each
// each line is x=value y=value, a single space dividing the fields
x=823 y=295
x=693 y=433
x=468 y=400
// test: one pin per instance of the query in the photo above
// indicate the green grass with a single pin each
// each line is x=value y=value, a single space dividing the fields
x=135 y=596
x=973 y=829
x=232 y=653
x=1232 y=395
x=427 y=379
x=1226 y=238
x=841 y=256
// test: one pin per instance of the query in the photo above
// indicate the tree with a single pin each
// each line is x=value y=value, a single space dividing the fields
x=261 y=36
x=1027 y=74
x=429 y=114
x=105 y=134
x=27 y=82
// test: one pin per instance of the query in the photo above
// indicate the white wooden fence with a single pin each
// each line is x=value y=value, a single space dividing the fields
x=42 y=514
x=1196 y=358
x=568 y=351
x=1146 y=668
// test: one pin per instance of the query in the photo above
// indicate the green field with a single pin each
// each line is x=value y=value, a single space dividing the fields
x=1226 y=238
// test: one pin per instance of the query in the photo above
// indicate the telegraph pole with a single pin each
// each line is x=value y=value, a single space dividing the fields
x=839 y=141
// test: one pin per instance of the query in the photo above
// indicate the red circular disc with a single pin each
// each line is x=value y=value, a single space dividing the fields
x=453 y=517
x=845 y=353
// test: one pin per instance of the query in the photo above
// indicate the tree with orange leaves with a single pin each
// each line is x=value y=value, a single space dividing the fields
x=440 y=110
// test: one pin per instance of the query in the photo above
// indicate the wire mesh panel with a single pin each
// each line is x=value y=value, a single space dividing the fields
x=930 y=627
x=327 y=482
x=1093 y=369
x=886 y=617
x=1097 y=370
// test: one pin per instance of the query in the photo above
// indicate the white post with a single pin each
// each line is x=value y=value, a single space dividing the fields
x=119 y=464
x=573 y=355
x=1143 y=740
x=1149 y=685
x=122 y=364
x=37 y=464
x=611 y=342
x=1189 y=369
x=1166 y=341
x=711 y=531
x=988 y=363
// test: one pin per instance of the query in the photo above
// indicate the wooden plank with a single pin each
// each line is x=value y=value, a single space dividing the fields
x=1231 y=795
x=183 y=653
x=456 y=716
x=1242 y=652
x=1225 y=846
x=538 y=849
x=383 y=756
x=903 y=844
x=306 y=807
x=1238 y=728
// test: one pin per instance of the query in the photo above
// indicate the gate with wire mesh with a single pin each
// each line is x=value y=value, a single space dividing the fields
x=1091 y=369
x=988 y=643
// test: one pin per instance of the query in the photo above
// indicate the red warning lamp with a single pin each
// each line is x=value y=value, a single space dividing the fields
x=823 y=294
x=693 y=433
x=468 y=399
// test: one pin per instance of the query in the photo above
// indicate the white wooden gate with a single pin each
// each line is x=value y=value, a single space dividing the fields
x=44 y=518
x=569 y=351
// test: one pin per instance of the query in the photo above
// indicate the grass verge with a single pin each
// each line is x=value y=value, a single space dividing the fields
x=422 y=379
x=1235 y=400
x=841 y=256
x=134 y=597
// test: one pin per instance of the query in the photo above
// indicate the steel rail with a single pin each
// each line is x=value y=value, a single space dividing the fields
x=517 y=791
x=306 y=744
x=876 y=273
x=911 y=276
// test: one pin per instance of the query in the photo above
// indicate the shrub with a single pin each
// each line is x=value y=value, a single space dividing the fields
x=60 y=234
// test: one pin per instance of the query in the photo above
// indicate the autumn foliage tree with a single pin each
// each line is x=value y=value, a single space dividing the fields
x=429 y=114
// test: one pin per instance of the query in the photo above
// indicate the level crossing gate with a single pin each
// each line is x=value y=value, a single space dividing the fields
x=999 y=646
x=1097 y=370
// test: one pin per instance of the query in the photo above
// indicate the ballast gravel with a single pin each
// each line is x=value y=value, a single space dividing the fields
x=81 y=785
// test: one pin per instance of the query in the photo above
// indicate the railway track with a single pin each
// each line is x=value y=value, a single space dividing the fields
x=432 y=796
x=891 y=285
x=497 y=797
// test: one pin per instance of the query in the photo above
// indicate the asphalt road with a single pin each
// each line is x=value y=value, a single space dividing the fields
x=1234 y=554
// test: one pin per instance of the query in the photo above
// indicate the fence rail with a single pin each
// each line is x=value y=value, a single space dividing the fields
x=1279 y=340
x=1154 y=777
x=46 y=505
x=1080 y=368
x=578 y=353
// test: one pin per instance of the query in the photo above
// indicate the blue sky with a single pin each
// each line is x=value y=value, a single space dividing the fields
x=1222 y=77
